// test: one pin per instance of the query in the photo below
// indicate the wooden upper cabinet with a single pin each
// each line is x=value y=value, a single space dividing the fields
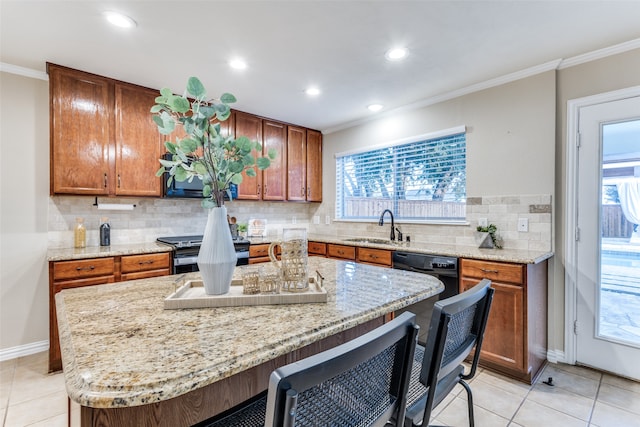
x=314 y=166
x=296 y=163
x=103 y=139
x=138 y=143
x=251 y=127
x=81 y=132
x=274 y=178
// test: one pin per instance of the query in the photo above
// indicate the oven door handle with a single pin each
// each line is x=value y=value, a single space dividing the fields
x=185 y=260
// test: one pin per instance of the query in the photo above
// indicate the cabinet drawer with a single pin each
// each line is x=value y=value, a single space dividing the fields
x=495 y=271
x=261 y=250
x=135 y=263
x=317 y=248
x=83 y=268
x=341 y=251
x=145 y=274
x=374 y=256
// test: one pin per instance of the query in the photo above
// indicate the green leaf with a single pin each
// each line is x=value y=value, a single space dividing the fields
x=156 y=108
x=224 y=115
x=170 y=181
x=158 y=121
x=273 y=153
x=195 y=87
x=248 y=160
x=237 y=179
x=251 y=172
x=207 y=111
x=263 y=163
x=179 y=104
x=161 y=100
x=181 y=174
x=170 y=146
x=160 y=171
x=208 y=204
x=236 y=167
x=166 y=92
x=206 y=190
x=166 y=163
x=199 y=168
x=188 y=145
x=228 y=98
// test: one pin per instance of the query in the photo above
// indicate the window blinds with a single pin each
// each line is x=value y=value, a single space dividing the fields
x=423 y=179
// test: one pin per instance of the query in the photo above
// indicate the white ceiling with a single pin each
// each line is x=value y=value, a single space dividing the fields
x=338 y=46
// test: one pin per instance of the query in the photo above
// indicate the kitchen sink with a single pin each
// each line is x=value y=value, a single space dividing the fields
x=370 y=240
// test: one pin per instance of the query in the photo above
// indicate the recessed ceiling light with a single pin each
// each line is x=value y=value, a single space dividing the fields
x=396 y=54
x=238 y=64
x=119 y=20
x=312 y=91
x=375 y=107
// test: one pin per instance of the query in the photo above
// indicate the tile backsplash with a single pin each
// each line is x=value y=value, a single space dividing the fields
x=503 y=211
x=152 y=218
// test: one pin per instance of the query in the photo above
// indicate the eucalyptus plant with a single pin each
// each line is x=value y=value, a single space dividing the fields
x=205 y=153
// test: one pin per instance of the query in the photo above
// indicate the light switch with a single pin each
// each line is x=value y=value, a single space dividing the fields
x=523 y=224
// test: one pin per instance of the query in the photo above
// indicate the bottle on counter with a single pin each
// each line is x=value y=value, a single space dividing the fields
x=105 y=232
x=79 y=234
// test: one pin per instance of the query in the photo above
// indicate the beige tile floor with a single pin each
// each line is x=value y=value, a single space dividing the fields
x=581 y=397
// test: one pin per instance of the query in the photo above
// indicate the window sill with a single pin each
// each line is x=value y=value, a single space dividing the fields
x=462 y=222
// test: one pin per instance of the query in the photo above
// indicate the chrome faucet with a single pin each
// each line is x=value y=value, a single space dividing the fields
x=392 y=236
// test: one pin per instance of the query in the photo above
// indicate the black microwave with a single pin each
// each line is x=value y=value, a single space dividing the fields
x=189 y=190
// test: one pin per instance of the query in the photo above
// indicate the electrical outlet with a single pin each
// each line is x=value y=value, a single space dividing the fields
x=523 y=224
x=327 y=220
x=316 y=219
x=482 y=222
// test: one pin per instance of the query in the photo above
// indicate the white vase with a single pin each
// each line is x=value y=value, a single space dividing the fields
x=217 y=258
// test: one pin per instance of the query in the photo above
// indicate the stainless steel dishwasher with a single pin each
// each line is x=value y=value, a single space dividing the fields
x=445 y=268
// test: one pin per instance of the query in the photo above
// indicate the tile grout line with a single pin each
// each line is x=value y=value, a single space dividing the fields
x=524 y=399
x=595 y=399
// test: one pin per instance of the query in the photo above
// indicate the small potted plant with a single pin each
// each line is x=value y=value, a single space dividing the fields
x=242 y=229
x=218 y=160
x=488 y=237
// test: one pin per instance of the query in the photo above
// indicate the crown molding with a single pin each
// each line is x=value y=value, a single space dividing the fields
x=557 y=64
x=599 y=54
x=22 y=71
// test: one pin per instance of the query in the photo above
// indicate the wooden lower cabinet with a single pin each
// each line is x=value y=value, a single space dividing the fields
x=341 y=251
x=515 y=341
x=317 y=248
x=96 y=271
x=379 y=257
x=259 y=253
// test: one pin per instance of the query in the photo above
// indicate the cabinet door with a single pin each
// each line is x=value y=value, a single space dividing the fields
x=138 y=143
x=81 y=117
x=296 y=163
x=504 y=337
x=314 y=166
x=274 y=177
x=341 y=251
x=251 y=127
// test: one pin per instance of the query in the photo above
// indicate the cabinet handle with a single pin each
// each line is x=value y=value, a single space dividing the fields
x=308 y=191
x=105 y=180
x=258 y=192
x=91 y=267
x=302 y=191
x=340 y=253
x=118 y=180
x=489 y=271
x=265 y=189
x=145 y=262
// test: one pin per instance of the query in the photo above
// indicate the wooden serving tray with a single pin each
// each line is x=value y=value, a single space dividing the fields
x=192 y=295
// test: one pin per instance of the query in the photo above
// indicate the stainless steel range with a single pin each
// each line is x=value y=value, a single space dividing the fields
x=186 y=248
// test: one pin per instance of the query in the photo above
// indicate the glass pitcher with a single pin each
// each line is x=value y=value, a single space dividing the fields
x=293 y=259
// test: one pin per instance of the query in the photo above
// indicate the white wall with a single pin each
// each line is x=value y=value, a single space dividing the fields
x=24 y=188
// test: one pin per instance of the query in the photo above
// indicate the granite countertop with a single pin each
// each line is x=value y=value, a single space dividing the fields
x=65 y=254
x=460 y=251
x=121 y=348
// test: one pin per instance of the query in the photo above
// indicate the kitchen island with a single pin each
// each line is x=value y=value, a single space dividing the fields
x=127 y=361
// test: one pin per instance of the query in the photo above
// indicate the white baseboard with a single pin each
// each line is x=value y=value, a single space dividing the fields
x=23 y=350
x=556 y=356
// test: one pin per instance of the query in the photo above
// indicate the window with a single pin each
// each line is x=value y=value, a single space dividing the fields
x=421 y=179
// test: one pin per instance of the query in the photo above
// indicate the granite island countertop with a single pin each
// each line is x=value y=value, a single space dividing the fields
x=65 y=254
x=120 y=348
